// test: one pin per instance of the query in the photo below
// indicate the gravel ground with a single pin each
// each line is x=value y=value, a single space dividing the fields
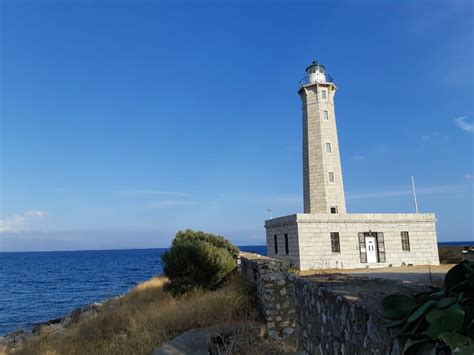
x=408 y=274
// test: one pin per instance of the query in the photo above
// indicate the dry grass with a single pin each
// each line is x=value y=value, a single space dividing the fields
x=144 y=318
x=451 y=254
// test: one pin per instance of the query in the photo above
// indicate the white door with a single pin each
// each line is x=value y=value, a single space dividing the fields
x=371 y=249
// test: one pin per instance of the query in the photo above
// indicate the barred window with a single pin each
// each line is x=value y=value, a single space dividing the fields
x=335 y=245
x=325 y=115
x=287 y=249
x=328 y=148
x=334 y=210
x=405 y=241
x=323 y=94
x=275 y=240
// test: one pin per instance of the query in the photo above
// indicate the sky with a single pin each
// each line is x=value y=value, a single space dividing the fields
x=123 y=122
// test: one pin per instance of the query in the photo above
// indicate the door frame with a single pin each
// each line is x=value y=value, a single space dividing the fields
x=372 y=236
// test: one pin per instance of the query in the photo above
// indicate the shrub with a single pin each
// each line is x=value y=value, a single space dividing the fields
x=442 y=320
x=198 y=260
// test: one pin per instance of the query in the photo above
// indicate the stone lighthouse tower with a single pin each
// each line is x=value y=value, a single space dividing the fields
x=322 y=174
x=325 y=235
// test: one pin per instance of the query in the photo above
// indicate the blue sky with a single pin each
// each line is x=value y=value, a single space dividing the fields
x=123 y=122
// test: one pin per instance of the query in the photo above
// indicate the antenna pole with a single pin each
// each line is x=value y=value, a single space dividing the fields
x=271 y=212
x=414 y=193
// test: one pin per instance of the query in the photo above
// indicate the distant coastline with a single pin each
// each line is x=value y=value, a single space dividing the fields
x=457 y=244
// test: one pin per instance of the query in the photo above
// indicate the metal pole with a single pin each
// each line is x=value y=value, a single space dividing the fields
x=271 y=213
x=414 y=193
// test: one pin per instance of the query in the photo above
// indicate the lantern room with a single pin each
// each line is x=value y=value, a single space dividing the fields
x=316 y=73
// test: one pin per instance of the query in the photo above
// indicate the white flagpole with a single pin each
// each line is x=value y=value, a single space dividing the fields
x=271 y=213
x=414 y=193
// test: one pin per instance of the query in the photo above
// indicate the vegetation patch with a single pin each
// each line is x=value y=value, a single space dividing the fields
x=198 y=260
x=144 y=318
x=439 y=322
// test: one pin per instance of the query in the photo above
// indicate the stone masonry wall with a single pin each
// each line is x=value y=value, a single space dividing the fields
x=326 y=313
x=275 y=292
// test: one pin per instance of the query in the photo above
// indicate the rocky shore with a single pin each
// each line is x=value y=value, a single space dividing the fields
x=15 y=339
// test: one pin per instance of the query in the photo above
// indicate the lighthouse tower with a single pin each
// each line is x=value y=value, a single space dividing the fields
x=325 y=235
x=322 y=174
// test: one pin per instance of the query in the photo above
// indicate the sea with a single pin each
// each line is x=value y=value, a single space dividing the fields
x=39 y=286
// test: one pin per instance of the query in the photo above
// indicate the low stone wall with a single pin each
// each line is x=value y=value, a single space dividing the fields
x=327 y=313
x=275 y=292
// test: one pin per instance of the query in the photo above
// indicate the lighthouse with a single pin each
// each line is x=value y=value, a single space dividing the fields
x=322 y=174
x=325 y=235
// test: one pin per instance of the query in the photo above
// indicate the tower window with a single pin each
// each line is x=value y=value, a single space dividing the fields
x=287 y=249
x=325 y=115
x=331 y=176
x=334 y=210
x=275 y=240
x=335 y=244
x=328 y=147
x=323 y=94
x=405 y=241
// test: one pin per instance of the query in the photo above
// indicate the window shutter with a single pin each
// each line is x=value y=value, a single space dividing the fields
x=362 y=250
x=381 y=247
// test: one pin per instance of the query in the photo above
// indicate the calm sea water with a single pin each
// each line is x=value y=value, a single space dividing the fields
x=37 y=287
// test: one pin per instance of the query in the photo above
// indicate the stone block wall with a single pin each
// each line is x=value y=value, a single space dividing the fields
x=326 y=313
x=275 y=292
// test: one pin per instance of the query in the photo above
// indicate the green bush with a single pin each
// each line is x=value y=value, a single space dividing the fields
x=198 y=260
x=441 y=321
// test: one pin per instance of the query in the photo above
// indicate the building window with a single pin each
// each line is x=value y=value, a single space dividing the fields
x=328 y=147
x=335 y=245
x=331 y=176
x=334 y=210
x=323 y=94
x=325 y=115
x=287 y=248
x=405 y=241
x=275 y=241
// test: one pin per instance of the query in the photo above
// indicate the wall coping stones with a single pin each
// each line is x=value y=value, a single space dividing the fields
x=350 y=218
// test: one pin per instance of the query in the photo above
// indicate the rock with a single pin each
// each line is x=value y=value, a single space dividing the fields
x=273 y=334
x=288 y=331
x=199 y=341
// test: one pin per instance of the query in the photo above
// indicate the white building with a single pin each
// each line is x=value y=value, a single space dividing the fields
x=325 y=235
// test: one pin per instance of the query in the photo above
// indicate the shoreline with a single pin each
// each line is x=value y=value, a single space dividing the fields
x=448 y=254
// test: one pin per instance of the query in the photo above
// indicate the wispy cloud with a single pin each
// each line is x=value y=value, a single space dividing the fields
x=405 y=192
x=465 y=126
x=20 y=222
x=429 y=136
x=468 y=176
x=151 y=192
x=170 y=204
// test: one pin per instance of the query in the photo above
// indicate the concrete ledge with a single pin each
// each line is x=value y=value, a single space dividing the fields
x=351 y=218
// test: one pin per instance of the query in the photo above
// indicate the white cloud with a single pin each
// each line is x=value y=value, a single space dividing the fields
x=145 y=192
x=465 y=126
x=468 y=176
x=20 y=222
